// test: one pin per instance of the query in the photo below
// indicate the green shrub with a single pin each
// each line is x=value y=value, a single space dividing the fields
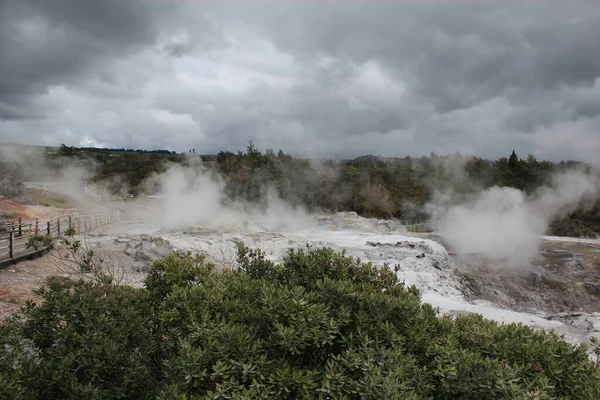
x=318 y=325
x=38 y=242
x=89 y=341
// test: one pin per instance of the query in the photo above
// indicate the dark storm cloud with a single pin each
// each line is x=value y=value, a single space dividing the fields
x=57 y=42
x=65 y=42
x=390 y=77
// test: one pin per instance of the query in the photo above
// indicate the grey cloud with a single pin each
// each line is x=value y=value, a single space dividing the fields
x=45 y=43
x=66 y=42
x=460 y=53
x=347 y=77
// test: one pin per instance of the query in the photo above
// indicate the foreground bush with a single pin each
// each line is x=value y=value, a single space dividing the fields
x=320 y=325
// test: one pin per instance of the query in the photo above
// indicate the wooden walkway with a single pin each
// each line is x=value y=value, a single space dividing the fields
x=14 y=235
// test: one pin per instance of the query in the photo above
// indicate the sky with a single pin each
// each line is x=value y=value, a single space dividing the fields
x=313 y=78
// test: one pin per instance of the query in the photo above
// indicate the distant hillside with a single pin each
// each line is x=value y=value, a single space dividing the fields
x=123 y=151
x=369 y=157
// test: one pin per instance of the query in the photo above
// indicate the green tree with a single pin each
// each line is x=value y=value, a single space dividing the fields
x=513 y=160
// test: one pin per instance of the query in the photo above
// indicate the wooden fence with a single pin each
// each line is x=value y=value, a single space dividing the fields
x=418 y=225
x=15 y=234
x=92 y=195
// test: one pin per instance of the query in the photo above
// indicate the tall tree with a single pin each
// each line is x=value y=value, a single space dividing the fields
x=513 y=160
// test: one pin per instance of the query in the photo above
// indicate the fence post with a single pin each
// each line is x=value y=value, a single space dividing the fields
x=11 y=245
x=70 y=221
x=37 y=226
x=48 y=230
x=20 y=228
x=57 y=227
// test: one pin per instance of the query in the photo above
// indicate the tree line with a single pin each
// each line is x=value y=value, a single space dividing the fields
x=371 y=186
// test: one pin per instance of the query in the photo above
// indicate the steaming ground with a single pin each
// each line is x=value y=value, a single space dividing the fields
x=559 y=292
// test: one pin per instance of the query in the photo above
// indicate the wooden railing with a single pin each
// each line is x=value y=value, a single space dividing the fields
x=94 y=196
x=14 y=235
x=418 y=225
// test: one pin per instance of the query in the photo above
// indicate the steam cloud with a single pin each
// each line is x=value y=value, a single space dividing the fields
x=504 y=224
x=192 y=197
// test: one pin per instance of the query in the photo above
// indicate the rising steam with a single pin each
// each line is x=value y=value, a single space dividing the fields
x=504 y=224
x=192 y=197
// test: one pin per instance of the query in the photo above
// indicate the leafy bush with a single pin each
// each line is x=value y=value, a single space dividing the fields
x=318 y=325
x=39 y=241
x=85 y=340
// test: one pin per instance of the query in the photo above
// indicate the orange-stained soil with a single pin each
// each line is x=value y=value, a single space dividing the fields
x=16 y=210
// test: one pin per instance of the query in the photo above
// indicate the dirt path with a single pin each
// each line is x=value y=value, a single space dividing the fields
x=18 y=281
x=126 y=257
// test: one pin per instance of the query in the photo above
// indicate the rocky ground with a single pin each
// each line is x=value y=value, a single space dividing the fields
x=565 y=278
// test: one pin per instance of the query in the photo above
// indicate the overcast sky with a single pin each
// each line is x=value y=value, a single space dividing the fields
x=351 y=77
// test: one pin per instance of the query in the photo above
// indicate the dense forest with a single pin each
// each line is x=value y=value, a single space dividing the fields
x=370 y=185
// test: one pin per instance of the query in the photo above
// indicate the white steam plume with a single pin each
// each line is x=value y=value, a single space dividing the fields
x=503 y=224
x=192 y=197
